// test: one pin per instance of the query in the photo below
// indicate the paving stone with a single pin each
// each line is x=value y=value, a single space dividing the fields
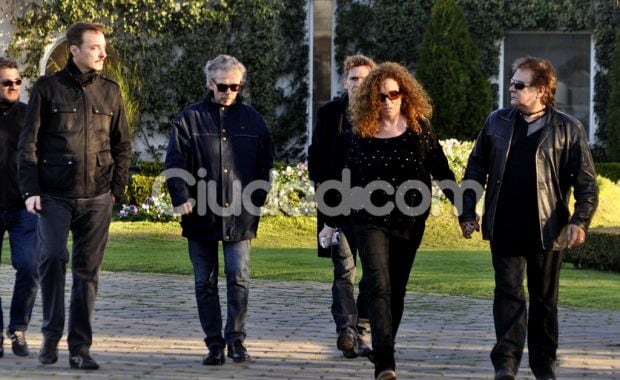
x=146 y=327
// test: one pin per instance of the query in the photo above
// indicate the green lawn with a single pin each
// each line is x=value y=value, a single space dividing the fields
x=285 y=250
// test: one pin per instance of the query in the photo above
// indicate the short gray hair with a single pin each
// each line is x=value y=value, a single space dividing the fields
x=224 y=62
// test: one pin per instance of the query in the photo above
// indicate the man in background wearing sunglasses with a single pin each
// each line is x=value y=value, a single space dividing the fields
x=74 y=156
x=20 y=224
x=331 y=142
x=530 y=156
x=224 y=146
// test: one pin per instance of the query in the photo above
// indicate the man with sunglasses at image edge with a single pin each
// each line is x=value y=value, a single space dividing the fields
x=225 y=143
x=529 y=156
x=74 y=156
x=14 y=219
x=331 y=141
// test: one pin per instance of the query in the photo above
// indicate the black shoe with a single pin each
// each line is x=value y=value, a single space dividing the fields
x=238 y=352
x=82 y=360
x=505 y=374
x=1 y=346
x=346 y=344
x=18 y=343
x=215 y=355
x=49 y=352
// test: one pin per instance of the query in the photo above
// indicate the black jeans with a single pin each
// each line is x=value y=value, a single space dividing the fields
x=386 y=260
x=21 y=226
x=88 y=219
x=345 y=309
x=512 y=322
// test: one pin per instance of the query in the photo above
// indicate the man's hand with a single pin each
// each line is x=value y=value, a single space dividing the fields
x=468 y=228
x=33 y=204
x=183 y=209
x=575 y=235
x=325 y=236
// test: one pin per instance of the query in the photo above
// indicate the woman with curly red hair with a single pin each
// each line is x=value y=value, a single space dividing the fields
x=395 y=152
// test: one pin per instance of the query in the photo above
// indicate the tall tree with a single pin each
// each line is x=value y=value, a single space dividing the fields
x=449 y=67
x=612 y=126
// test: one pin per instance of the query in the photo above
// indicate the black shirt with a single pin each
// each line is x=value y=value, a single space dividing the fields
x=409 y=156
x=516 y=219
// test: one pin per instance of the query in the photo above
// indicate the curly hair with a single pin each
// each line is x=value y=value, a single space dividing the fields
x=543 y=74
x=366 y=107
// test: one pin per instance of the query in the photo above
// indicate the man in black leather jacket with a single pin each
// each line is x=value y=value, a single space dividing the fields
x=74 y=158
x=331 y=143
x=217 y=166
x=14 y=219
x=529 y=157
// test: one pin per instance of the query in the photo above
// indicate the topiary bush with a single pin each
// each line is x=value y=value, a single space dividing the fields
x=601 y=251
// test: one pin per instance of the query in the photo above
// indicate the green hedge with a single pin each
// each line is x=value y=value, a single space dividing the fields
x=601 y=251
x=151 y=168
x=140 y=187
x=609 y=170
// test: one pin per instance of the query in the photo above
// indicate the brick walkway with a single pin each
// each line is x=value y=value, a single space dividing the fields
x=146 y=327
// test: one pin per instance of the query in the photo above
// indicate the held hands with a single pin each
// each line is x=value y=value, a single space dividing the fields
x=575 y=235
x=326 y=236
x=33 y=204
x=470 y=226
x=183 y=209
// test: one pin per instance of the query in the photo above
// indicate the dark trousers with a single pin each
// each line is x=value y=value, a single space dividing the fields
x=88 y=219
x=345 y=309
x=204 y=257
x=512 y=322
x=386 y=260
x=21 y=226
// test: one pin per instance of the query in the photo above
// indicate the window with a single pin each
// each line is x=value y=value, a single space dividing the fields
x=570 y=55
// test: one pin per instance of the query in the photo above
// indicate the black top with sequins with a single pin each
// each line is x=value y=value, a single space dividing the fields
x=406 y=163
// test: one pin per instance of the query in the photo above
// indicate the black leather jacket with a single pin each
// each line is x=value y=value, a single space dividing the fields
x=563 y=160
x=11 y=123
x=220 y=148
x=75 y=142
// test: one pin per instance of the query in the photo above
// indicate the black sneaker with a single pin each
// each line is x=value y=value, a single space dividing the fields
x=49 y=352
x=346 y=344
x=238 y=352
x=18 y=343
x=82 y=360
x=215 y=355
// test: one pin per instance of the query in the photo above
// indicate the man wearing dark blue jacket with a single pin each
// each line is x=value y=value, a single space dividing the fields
x=14 y=219
x=217 y=167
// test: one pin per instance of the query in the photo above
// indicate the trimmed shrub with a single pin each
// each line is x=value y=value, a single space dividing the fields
x=151 y=168
x=601 y=251
x=609 y=170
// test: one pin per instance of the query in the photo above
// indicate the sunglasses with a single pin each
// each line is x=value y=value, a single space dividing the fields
x=392 y=95
x=9 y=83
x=519 y=85
x=221 y=87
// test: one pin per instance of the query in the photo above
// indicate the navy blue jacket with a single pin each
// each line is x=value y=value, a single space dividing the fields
x=223 y=150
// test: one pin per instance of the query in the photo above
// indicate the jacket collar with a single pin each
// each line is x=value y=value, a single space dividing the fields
x=74 y=73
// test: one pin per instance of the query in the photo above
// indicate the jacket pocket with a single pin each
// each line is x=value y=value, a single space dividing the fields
x=102 y=116
x=104 y=169
x=57 y=172
x=64 y=116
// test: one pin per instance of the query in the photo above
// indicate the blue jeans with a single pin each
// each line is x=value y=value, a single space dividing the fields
x=21 y=226
x=345 y=309
x=88 y=219
x=204 y=257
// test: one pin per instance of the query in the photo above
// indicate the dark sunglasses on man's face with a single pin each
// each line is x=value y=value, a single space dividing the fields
x=392 y=95
x=519 y=85
x=221 y=87
x=9 y=83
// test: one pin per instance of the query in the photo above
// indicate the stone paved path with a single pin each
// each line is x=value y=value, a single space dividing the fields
x=146 y=327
